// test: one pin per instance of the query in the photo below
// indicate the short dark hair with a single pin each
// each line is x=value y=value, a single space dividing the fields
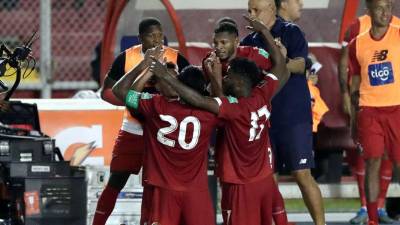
x=246 y=69
x=368 y=3
x=146 y=23
x=225 y=19
x=278 y=4
x=226 y=27
x=193 y=77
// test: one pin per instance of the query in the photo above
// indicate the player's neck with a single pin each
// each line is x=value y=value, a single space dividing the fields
x=377 y=32
x=284 y=16
x=244 y=93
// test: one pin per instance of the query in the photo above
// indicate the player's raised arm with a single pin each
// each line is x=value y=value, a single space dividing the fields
x=279 y=67
x=121 y=87
x=189 y=95
x=213 y=68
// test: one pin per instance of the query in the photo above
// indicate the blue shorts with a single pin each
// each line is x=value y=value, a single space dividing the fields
x=293 y=147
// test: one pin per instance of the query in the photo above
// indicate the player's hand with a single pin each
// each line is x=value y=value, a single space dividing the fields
x=281 y=47
x=255 y=24
x=158 y=68
x=208 y=62
x=353 y=125
x=156 y=52
x=213 y=65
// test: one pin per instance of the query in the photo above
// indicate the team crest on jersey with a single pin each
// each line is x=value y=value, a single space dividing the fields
x=232 y=100
x=263 y=53
x=380 y=74
x=146 y=95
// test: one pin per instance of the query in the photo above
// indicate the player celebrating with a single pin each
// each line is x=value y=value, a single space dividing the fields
x=176 y=137
x=128 y=149
x=243 y=156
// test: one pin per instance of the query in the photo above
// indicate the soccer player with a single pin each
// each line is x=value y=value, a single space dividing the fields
x=375 y=90
x=359 y=26
x=245 y=171
x=226 y=48
x=289 y=10
x=128 y=150
x=177 y=138
x=244 y=154
x=291 y=119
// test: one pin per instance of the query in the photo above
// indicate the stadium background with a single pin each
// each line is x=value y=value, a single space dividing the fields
x=77 y=28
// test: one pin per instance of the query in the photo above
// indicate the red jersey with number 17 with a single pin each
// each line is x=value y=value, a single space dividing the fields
x=177 y=138
x=244 y=154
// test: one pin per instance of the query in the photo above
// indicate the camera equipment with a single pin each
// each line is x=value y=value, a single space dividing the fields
x=14 y=60
x=39 y=189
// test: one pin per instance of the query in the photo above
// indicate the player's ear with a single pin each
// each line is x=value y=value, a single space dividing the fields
x=237 y=41
x=140 y=38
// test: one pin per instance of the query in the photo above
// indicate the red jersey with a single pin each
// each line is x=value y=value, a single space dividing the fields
x=258 y=55
x=177 y=138
x=244 y=154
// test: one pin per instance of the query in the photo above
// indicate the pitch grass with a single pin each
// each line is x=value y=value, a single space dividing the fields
x=330 y=205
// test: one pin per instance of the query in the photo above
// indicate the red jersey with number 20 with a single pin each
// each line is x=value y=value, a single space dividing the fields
x=244 y=154
x=177 y=138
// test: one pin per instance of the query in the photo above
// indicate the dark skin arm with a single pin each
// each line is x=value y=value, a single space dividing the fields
x=121 y=87
x=296 y=65
x=189 y=95
x=343 y=74
x=355 y=97
x=279 y=68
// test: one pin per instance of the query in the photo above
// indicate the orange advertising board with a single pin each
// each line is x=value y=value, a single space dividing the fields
x=81 y=125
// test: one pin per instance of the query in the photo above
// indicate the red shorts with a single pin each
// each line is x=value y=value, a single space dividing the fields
x=128 y=152
x=168 y=207
x=245 y=204
x=379 y=130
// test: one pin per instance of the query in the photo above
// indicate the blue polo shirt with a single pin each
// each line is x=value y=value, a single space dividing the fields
x=292 y=105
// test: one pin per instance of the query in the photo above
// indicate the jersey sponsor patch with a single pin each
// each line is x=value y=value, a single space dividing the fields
x=380 y=74
x=263 y=53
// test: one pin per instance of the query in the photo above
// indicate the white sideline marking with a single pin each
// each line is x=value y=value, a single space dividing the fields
x=342 y=190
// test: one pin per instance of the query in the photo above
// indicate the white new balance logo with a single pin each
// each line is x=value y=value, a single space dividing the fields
x=303 y=161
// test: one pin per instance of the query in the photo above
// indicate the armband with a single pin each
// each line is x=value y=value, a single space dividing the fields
x=132 y=99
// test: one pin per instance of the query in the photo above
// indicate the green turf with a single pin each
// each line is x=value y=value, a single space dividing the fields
x=330 y=205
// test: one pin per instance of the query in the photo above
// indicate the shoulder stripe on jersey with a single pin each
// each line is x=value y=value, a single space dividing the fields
x=272 y=76
x=218 y=100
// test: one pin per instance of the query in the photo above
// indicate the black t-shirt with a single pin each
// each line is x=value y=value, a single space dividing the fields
x=117 y=69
